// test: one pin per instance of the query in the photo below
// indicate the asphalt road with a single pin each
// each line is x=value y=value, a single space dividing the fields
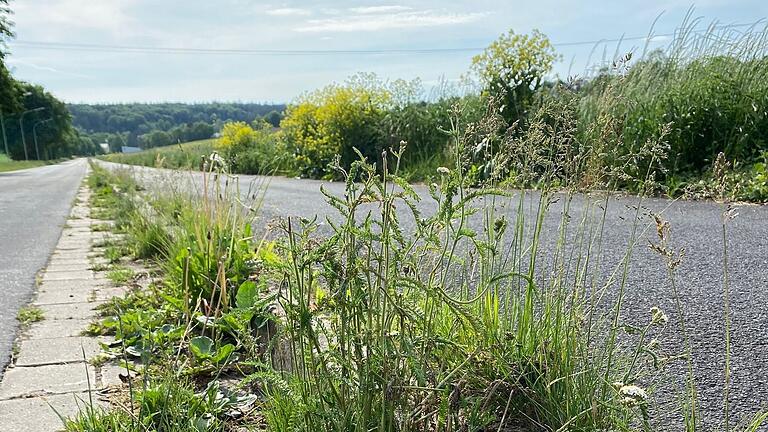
x=34 y=205
x=695 y=226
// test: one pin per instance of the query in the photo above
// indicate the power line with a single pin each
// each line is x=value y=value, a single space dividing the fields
x=64 y=46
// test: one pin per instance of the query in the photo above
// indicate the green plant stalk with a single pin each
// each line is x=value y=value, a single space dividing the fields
x=727 y=317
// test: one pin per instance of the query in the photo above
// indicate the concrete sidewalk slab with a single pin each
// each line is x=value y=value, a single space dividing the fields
x=80 y=295
x=66 y=285
x=67 y=275
x=40 y=352
x=42 y=413
x=72 y=266
x=53 y=329
x=41 y=380
x=79 y=311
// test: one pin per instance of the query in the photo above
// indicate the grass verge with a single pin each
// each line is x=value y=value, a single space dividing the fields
x=7 y=164
x=391 y=318
x=182 y=156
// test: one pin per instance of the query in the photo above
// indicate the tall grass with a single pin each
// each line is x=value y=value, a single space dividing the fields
x=6 y=164
x=453 y=326
x=709 y=86
x=186 y=156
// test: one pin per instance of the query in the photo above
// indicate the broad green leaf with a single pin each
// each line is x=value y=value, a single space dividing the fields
x=223 y=353
x=247 y=295
x=201 y=347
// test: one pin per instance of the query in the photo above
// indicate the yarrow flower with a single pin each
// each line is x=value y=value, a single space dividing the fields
x=632 y=395
x=658 y=316
x=443 y=171
x=216 y=161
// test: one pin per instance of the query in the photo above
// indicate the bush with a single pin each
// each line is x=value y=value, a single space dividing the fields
x=253 y=150
x=333 y=122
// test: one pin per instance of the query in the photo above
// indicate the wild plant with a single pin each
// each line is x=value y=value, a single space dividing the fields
x=406 y=319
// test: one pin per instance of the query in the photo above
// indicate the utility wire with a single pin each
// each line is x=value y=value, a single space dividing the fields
x=64 y=46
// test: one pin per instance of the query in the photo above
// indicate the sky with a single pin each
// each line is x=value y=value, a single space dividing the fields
x=101 y=51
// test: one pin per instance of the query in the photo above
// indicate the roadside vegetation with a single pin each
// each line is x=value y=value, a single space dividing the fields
x=394 y=319
x=703 y=95
x=187 y=156
x=6 y=164
x=28 y=315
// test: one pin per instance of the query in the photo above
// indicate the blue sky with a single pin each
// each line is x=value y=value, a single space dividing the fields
x=118 y=75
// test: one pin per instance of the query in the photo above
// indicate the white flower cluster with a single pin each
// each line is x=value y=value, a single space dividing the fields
x=658 y=316
x=631 y=395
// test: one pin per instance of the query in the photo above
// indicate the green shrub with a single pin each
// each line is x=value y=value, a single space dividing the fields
x=333 y=122
x=253 y=150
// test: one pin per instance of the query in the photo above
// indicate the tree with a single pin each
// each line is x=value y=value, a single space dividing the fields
x=6 y=26
x=200 y=130
x=142 y=118
x=273 y=117
x=56 y=137
x=156 y=138
x=9 y=87
x=512 y=69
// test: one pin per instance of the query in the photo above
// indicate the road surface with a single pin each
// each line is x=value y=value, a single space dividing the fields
x=34 y=205
x=695 y=226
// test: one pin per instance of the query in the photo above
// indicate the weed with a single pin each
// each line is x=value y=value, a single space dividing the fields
x=100 y=267
x=115 y=253
x=120 y=275
x=99 y=360
x=28 y=315
x=101 y=227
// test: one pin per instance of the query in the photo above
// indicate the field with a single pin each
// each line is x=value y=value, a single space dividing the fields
x=185 y=156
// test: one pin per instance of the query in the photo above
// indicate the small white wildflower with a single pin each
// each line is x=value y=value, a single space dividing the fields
x=443 y=170
x=216 y=159
x=632 y=395
x=658 y=316
x=434 y=186
x=617 y=385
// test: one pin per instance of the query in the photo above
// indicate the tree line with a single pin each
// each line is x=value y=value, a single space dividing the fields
x=149 y=125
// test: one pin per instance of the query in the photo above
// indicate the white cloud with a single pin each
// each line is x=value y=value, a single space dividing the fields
x=376 y=22
x=74 y=14
x=380 y=9
x=288 y=12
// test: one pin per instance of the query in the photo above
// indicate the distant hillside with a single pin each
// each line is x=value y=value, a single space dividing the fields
x=158 y=124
